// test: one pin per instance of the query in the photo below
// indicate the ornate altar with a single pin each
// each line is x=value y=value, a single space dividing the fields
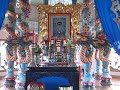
x=59 y=24
x=53 y=77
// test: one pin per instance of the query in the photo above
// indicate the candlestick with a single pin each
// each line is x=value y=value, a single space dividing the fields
x=33 y=36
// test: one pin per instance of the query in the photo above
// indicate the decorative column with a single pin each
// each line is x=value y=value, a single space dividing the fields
x=88 y=78
x=11 y=50
x=87 y=60
x=85 y=40
x=10 y=78
x=98 y=65
x=21 y=74
x=24 y=59
x=106 y=78
x=100 y=42
x=24 y=55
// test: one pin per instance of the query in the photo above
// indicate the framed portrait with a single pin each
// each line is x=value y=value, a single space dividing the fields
x=59 y=25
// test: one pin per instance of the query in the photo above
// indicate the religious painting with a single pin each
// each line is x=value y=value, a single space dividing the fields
x=59 y=25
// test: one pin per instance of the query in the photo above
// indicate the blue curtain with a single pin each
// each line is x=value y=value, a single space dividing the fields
x=3 y=8
x=110 y=27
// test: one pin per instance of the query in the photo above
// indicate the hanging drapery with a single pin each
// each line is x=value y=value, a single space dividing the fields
x=3 y=8
x=109 y=14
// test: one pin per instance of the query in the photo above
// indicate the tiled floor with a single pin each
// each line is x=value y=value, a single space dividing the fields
x=115 y=85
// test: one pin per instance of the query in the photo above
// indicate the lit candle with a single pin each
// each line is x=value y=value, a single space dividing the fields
x=33 y=36
x=64 y=42
x=58 y=49
x=73 y=37
x=51 y=41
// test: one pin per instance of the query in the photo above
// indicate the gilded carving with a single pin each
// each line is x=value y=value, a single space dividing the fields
x=74 y=9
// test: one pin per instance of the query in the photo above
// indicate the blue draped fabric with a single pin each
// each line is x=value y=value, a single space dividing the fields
x=3 y=8
x=107 y=16
x=53 y=82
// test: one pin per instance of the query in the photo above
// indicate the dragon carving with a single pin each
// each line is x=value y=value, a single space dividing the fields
x=85 y=39
x=102 y=45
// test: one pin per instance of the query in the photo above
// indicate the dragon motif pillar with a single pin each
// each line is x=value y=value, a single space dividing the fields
x=11 y=50
x=24 y=54
x=104 y=55
x=101 y=43
x=98 y=65
x=86 y=57
x=96 y=45
x=85 y=40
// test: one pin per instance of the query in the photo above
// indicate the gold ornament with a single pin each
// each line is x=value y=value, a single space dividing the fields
x=75 y=11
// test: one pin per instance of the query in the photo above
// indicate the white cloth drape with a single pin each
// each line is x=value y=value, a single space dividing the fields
x=53 y=2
